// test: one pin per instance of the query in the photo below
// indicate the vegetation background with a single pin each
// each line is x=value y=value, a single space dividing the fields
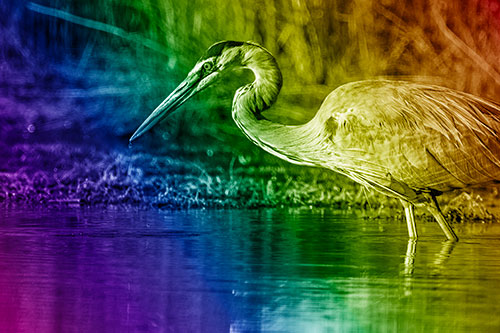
x=78 y=77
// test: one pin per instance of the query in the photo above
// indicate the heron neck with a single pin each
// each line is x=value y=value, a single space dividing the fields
x=293 y=143
x=263 y=92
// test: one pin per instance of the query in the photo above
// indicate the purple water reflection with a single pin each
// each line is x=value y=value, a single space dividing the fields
x=91 y=270
x=64 y=272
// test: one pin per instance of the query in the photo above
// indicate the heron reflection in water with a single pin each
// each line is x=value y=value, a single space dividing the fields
x=409 y=141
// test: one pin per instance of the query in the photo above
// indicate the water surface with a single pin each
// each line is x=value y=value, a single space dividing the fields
x=88 y=270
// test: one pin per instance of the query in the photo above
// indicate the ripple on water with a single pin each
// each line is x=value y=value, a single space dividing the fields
x=242 y=270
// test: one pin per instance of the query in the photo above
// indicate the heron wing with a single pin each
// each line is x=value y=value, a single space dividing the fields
x=399 y=134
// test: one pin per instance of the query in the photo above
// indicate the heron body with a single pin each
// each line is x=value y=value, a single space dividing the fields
x=407 y=140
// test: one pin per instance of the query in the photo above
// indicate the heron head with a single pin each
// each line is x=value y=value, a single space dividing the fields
x=218 y=58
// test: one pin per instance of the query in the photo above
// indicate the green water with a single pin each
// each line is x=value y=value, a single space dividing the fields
x=90 y=270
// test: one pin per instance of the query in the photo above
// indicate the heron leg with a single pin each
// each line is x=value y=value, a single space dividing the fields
x=434 y=209
x=410 y=218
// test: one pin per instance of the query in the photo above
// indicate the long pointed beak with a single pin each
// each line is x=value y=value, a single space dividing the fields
x=182 y=93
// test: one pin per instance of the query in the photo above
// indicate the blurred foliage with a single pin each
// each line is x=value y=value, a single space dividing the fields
x=127 y=55
x=139 y=50
x=92 y=70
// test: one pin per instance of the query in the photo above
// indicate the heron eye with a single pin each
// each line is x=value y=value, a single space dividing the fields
x=207 y=66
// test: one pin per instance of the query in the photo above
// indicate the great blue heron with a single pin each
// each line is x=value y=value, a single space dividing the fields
x=407 y=140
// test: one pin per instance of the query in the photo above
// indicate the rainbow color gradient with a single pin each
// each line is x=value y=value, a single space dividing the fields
x=78 y=77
